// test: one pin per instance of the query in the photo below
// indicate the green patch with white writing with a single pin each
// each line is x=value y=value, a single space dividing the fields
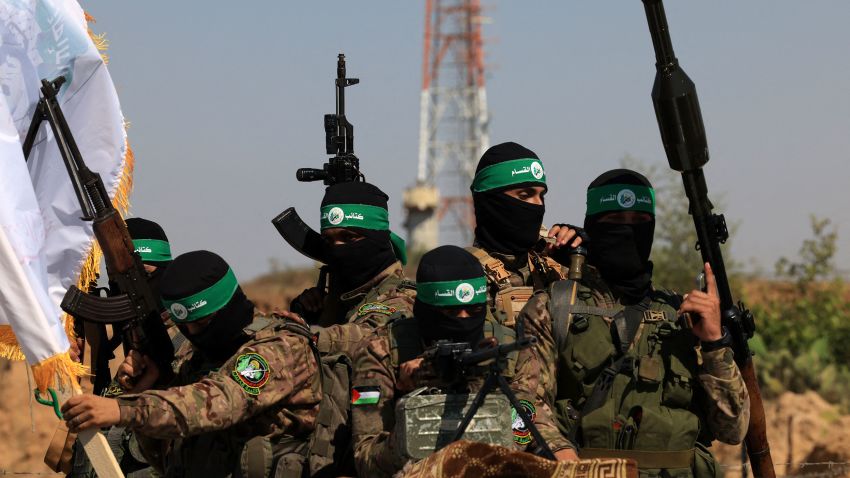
x=251 y=372
x=375 y=307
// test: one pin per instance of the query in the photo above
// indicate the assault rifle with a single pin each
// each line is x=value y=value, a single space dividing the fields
x=683 y=134
x=452 y=364
x=135 y=309
x=342 y=167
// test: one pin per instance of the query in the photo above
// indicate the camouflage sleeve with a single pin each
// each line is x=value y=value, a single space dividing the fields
x=345 y=339
x=538 y=323
x=261 y=375
x=527 y=385
x=395 y=303
x=373 y=419
x=727 y=402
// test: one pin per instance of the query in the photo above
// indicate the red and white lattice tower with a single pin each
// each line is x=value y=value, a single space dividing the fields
x=453 y=124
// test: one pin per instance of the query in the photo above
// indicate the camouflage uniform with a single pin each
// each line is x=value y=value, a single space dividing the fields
x=213 y=410
x=674 y=415
x=373 y=303
x=375 y=451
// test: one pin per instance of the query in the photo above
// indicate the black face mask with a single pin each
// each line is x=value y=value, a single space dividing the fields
x=506 y=224
x=434 y=325
x=621 y=254
x=223 y=336
x=355 y=263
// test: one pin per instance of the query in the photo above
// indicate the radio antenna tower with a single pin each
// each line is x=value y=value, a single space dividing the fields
x=452 y=124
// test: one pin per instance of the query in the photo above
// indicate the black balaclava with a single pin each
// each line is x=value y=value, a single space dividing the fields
x=354 y=264
x=450 y=277
x=505 y=224
x=198 y=284
x=150 y=241
x=621 y=251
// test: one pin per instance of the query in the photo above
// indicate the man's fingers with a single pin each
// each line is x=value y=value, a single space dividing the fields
x=70 y=403
x=710 y=281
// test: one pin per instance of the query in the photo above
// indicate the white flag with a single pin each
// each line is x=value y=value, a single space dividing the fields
x=39 y=212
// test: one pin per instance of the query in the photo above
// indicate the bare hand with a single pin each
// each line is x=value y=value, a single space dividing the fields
x=562 y=235
x=86 y=411
x=286 y=314
x=76 y=349
x=137 y=372
x=406 y=380
x=566 y=454
x=311 y=300
x=706 y=307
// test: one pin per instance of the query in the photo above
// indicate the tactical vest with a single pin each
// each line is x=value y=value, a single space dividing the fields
x=627 y=384
x=326 y=452
x=424 y=423
x=505 y=299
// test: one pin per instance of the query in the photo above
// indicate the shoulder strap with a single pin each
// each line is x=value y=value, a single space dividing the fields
x=562 y=297
x=626 y=325
x=494 y=269
x=259 y=323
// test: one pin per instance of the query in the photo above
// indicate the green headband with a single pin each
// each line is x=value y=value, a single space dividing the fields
x=620 y=197
x=355 y=215
x=508 y=173
x=205 y=302
x=365 y=216
x=453 y=292
x=152 y=250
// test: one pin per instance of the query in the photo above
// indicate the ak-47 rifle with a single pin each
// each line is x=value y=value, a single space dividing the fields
x=135 y=310
x=683 y=134
x=450 y=365
x=342 y=167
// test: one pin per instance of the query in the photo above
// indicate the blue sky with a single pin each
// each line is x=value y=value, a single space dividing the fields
x=225 y=101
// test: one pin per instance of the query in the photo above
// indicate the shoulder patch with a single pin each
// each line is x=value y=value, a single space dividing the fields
x=375 y=307
x=251 y=372
x=522 y=434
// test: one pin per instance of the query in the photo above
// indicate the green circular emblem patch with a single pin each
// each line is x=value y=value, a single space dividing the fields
x=251 y=372
x=522 y=435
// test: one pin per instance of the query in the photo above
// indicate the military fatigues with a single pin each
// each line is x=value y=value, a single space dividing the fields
x=512 y=280
x=375 y=449
x=652 y=401
x=269 y=390
x=373 y=303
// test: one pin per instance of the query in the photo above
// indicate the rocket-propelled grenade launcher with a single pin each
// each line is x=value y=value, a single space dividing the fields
x=683 y=134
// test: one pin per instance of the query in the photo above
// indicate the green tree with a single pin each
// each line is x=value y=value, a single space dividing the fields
x=803 y=329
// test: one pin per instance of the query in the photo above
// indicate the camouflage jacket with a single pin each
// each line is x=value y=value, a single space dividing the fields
x=375 y=450
x=721 y=407
x=270 y=387
x=373 y=303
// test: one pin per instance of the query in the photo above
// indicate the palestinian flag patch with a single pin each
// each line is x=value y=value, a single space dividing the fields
x=522 y=435
x=251 y=372
x=375 y=307
x=368 y=395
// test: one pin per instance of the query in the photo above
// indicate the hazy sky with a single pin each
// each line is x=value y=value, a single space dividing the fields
x=225 y=101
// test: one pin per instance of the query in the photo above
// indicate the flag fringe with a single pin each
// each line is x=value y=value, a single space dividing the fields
x=9 y=348
x=60 y=368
